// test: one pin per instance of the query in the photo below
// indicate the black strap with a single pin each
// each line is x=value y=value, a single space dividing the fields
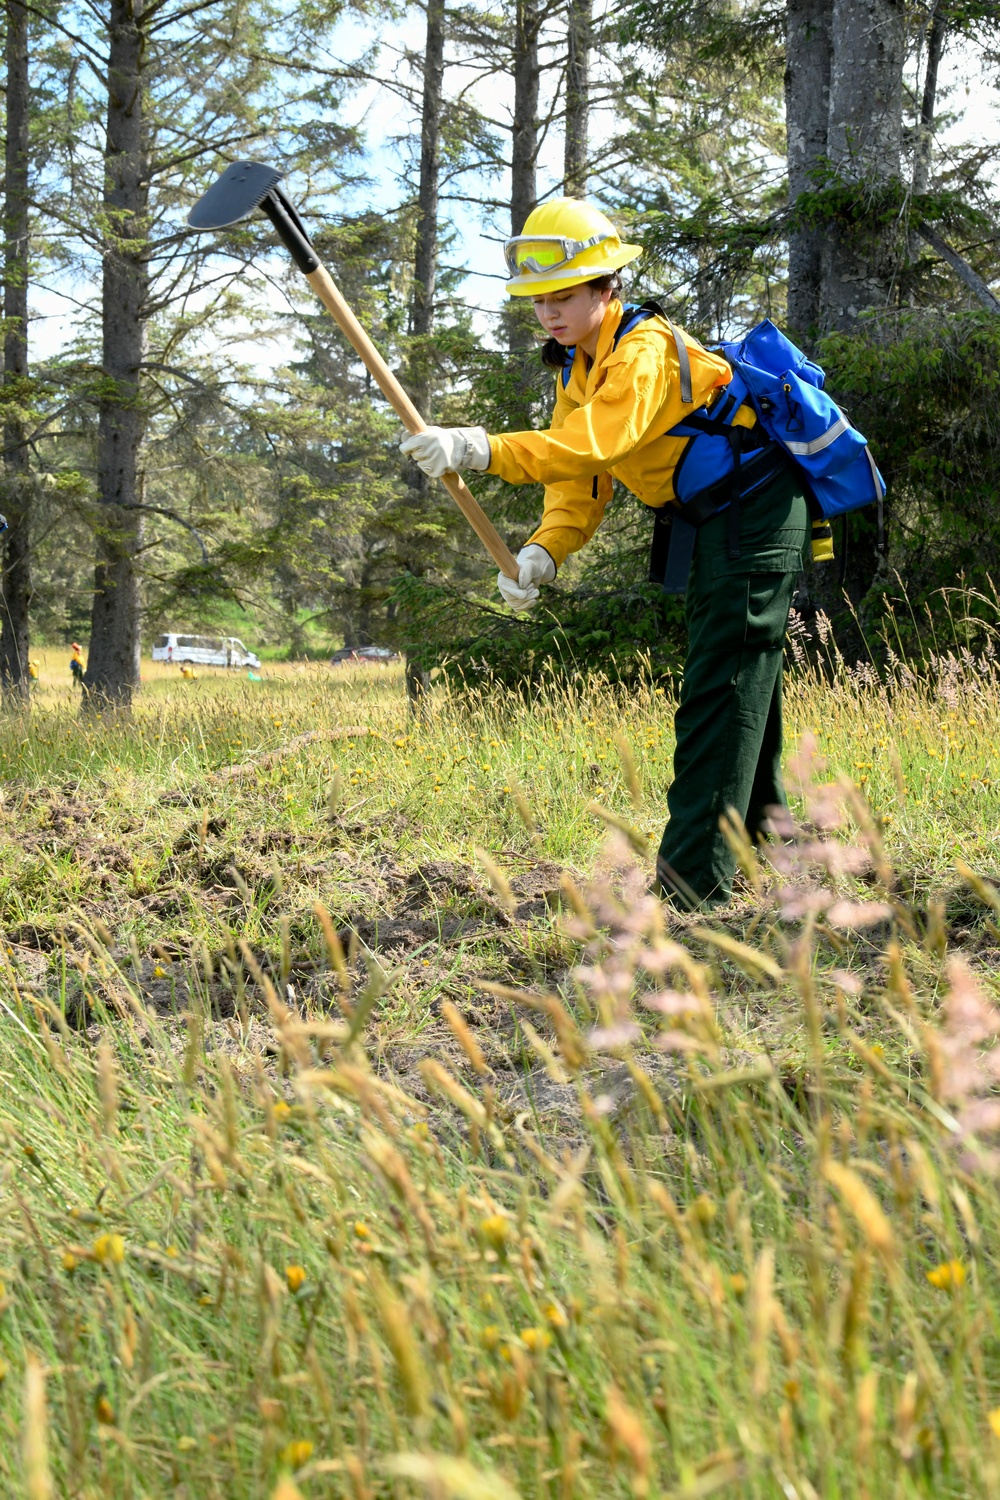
x=682 y=539
x=733 y=529
x=659 y=547
x=675 y=530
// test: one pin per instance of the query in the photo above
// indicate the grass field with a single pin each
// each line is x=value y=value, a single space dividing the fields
x=367 y=1131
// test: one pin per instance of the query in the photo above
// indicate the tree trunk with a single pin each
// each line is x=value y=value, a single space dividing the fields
x=928 y=103
x=578 y=24
x=524 y=144
x=861 y=257
x=807 y=112
x=418 y=687
x=113 y=663
x=519 y=320
x=14 y=643
x=425 y=256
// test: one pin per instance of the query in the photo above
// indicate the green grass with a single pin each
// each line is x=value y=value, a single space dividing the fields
x=345 y=1152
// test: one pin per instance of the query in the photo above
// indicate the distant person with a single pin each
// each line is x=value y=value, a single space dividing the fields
x=32 y=672
x=76 y=663
x=189 y=672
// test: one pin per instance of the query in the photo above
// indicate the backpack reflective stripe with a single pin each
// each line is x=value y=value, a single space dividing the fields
x=786 y=391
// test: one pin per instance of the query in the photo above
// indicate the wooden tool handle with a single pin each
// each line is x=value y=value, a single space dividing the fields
x=333 y=300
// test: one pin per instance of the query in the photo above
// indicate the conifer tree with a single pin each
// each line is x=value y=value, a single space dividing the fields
x=578 y=44
x=16 y=584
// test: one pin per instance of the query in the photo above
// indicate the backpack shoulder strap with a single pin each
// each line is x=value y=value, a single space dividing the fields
x=683 y=364
x=652 y=309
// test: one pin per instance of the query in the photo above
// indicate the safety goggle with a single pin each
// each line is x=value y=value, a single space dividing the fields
x=545 y=252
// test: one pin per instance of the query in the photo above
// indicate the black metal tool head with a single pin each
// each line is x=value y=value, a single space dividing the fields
x=241 y=188
x=244 y=186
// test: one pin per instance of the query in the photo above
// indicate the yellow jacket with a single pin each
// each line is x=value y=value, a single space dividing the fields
x=610 y=420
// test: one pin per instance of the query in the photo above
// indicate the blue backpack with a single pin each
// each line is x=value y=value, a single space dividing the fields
x=723 y=466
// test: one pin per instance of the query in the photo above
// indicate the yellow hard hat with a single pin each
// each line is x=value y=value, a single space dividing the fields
x=563 y=243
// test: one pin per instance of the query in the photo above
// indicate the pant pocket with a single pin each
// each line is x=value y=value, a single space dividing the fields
x=768 y=601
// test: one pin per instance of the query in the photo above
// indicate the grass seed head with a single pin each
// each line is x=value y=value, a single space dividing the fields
x=864 y=1205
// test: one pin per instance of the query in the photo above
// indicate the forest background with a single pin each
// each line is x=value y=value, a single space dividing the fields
x=189 y=444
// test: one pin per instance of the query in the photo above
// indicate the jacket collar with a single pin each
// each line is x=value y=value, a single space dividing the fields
x=609 y=327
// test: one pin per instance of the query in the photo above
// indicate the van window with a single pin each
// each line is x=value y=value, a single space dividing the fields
x=199 y=643
x=162 y=642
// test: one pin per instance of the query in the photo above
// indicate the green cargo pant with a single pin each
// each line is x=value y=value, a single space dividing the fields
x=728 y=724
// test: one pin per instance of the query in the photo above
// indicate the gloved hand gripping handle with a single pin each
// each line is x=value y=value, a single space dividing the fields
x=291 y=231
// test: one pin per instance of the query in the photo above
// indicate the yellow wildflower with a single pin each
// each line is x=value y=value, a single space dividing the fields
x=282 y=1110
x=296 y=1277
x=297 y=1453
x=109 y=1249
x=490 y=1337
x=495 y=1230
x=536 y=1339
x=950 y=1273
x=69 y=1262
x=993 y=1418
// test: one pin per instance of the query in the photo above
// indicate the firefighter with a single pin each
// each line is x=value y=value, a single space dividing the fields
x=617 y=400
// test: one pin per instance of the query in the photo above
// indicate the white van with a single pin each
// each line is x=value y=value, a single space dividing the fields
x=205 y=650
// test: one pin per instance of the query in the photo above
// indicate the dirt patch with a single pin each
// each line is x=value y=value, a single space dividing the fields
x=444 y=903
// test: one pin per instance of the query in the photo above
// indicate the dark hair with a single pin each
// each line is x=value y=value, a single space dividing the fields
x=553 y=353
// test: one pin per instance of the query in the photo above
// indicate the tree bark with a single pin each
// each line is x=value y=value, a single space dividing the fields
x=928 y=102
x=808 y=45
x=518 y=318
x=578 y=26
x=14 y=638
x=524 y=144
x=425 y=255
x=861 y=258
x=113 y=663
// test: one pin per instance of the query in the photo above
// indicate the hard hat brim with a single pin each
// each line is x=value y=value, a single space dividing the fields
x=537 y=283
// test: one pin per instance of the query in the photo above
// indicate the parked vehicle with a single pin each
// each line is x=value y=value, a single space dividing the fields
x=205 y=650
x=363 y=656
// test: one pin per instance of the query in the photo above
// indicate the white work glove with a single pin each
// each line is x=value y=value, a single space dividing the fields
x=535 y=566
x=446 y=450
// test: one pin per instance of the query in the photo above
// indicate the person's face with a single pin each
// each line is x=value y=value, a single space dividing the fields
x=573 y=315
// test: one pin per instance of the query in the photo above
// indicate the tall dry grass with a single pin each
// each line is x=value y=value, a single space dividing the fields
x=764 y=1266
x=751 y=1253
